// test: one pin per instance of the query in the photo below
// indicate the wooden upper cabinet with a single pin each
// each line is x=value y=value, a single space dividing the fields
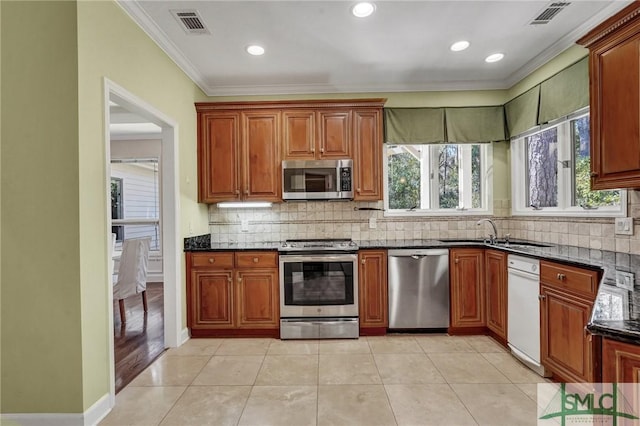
x=299 y=135
x=218 y=157
x=467 y=288
x=241 y=145
x=614 y=71
x=334 y=133
x=367 y=141
x=260 y=156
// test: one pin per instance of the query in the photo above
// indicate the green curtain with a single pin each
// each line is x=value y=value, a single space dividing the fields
x=565 y=92
x=475 y=124
x=522 y=111
x=414 y=125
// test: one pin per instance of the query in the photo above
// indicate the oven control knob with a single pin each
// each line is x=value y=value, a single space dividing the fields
x=285 y=245
x=294 y=245
x=351 y=243
x=319 y=310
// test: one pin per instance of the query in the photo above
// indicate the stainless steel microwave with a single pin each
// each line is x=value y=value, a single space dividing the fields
x=317 y=180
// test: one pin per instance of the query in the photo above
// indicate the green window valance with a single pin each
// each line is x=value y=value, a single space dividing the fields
x=475 y=124
x=565 y=92
x=414 y=125
x=522 y=111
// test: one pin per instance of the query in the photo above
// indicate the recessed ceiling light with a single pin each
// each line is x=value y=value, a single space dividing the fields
x=255 y=50
x=459 y=45
x=494 y=57
x=363 y=9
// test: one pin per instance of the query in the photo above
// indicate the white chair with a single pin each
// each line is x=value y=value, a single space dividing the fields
x=132 y=273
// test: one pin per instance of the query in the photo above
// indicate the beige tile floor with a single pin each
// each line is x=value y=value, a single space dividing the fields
x=390 y=380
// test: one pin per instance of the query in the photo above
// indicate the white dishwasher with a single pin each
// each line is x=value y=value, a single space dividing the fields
x=523 y=311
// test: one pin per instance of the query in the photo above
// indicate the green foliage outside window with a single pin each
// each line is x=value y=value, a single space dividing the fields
x=404 y=181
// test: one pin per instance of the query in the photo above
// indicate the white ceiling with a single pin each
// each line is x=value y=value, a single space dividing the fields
x=319 y=47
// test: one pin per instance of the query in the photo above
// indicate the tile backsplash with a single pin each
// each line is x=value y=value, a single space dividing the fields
x=343 y=220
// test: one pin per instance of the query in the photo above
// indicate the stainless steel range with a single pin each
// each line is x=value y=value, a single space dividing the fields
x=319 y=289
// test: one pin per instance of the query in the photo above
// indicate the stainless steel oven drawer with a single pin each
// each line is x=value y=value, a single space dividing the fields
x=329 y=328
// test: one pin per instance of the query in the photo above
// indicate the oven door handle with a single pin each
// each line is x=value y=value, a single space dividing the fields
x=319 y=258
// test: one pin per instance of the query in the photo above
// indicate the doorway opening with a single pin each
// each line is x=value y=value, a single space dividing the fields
x=142 y=157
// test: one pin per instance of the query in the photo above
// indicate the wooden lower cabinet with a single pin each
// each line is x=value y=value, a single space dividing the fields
x=233 y=294
x=620 y=362
x=467 y=291
x=373 y=292
x=496 y=284
x=567 y=296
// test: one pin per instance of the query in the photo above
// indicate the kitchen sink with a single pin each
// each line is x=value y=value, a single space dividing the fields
x=462 y=240
x=521 y=244
x=499 y=243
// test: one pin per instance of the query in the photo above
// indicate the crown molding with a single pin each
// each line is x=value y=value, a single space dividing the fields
x=139 y=16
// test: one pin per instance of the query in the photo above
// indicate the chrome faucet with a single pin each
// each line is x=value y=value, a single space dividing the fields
x=493 y=238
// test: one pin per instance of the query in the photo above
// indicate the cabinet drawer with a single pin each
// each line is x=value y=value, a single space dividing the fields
x=214 y=260
x=257 y=259
x=569 y=277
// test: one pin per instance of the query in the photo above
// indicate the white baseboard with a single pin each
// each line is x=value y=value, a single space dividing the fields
x=184 y=336
x=91 y=417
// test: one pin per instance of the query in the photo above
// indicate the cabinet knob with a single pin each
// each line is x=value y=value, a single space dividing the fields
x=321 y=149
x=594 y=174
x=358 y=190
x=230 y=280
x=541 y=297
x=246 y=191
x=239 y=279
x=255 y=260
x=561 y=277
x=237 y=191
x=457 y=260
x=211 y=260
x=362 y=261
x=313 y=150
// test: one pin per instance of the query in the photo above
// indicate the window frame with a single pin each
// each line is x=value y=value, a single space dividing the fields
x=566 y=175
x=486 y=155
x=156 y=222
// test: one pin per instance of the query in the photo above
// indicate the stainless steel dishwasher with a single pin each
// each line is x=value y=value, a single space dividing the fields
x=418 y=289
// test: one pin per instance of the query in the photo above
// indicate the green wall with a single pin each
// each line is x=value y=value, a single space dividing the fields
x=41 y=312
x=54 y=318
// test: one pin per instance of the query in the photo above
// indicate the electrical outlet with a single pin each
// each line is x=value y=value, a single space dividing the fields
x=624 y=226
x=625 y=280
x=191 y=227
x=372 y=223
x=244 y=225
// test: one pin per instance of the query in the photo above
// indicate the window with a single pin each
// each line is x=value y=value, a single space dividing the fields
x=437 y=179
x=551 y=173
x=135 y=200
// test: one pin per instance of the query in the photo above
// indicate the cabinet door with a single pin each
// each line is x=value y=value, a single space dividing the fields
x=211 y=299
x=620 y=362
x=372 y=289
x=261 y=166
x=565 y=347
x=467 y=288
x=298 y=135
x=334 y=133
x=258 y=298
x=496 y=282
x=367 y=162
x=615 y=111
x=218 y=157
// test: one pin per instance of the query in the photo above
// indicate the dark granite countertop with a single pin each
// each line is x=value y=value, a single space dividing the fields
x=616 y=312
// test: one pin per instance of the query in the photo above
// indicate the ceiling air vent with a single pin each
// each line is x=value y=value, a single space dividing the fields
x=549 y=13
x=191 y=21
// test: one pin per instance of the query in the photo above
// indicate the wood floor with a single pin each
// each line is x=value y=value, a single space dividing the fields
x=140 y=340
